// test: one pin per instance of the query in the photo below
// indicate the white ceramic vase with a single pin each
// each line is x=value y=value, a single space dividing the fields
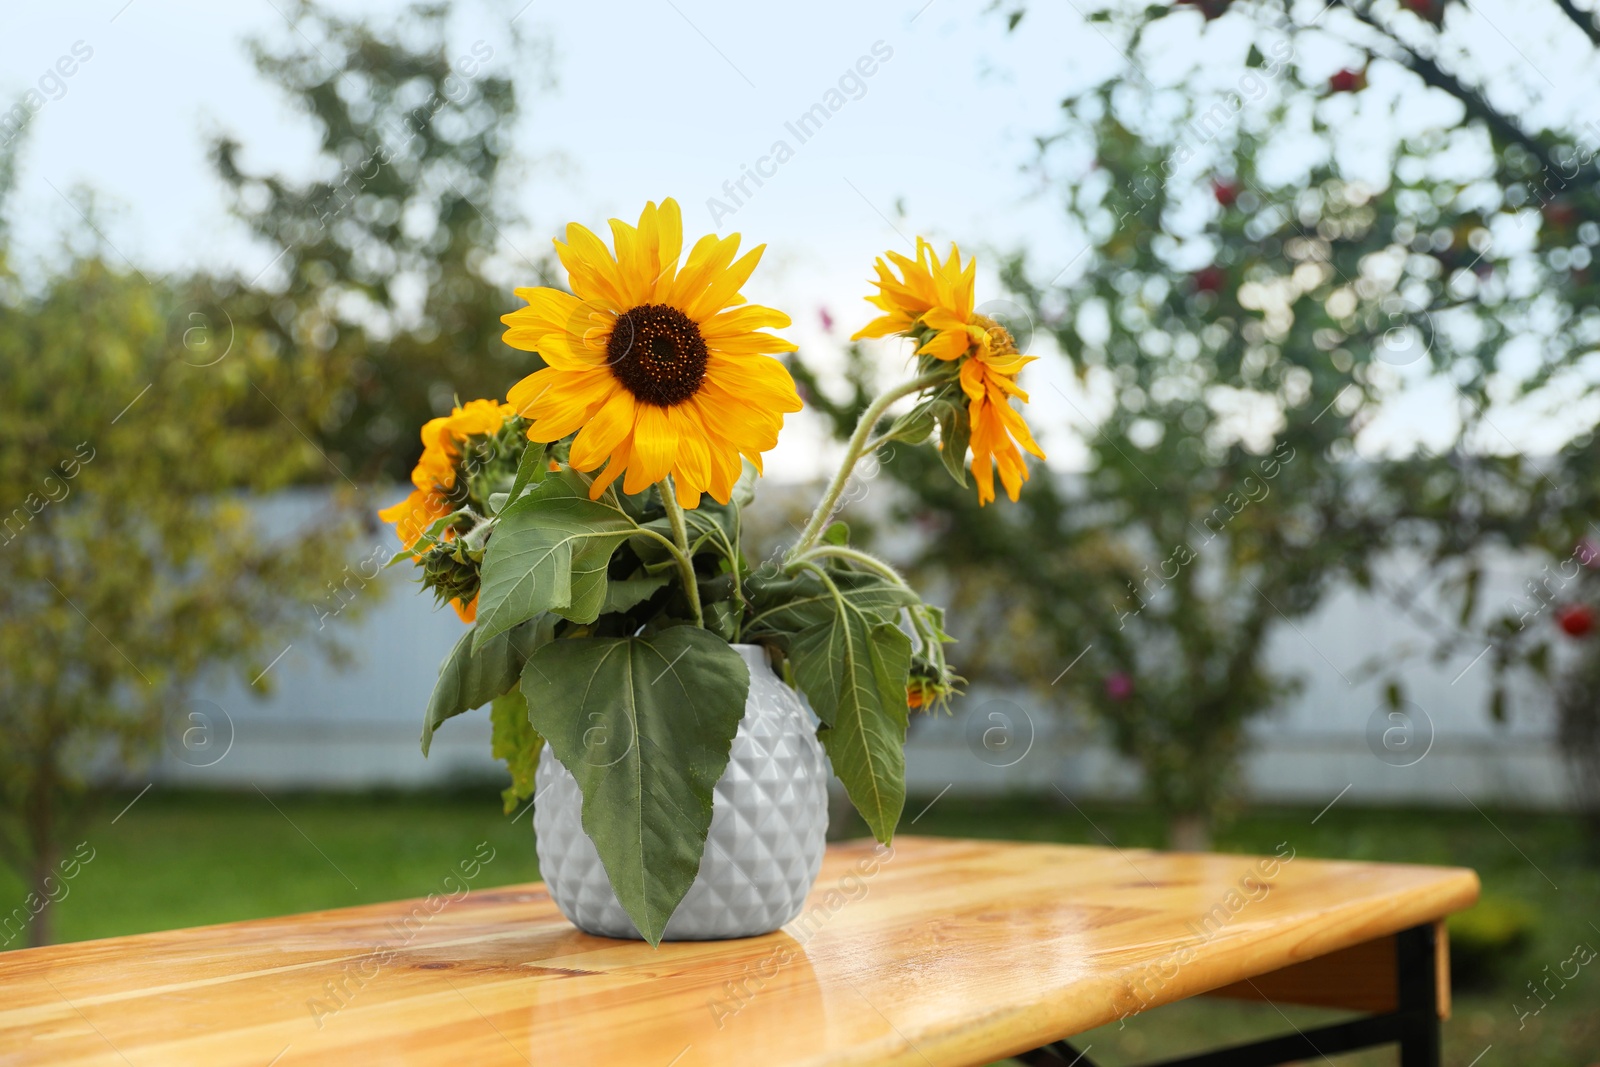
x=769 y=816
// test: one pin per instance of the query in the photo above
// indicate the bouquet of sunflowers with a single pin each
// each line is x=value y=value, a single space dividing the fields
x=589 y=528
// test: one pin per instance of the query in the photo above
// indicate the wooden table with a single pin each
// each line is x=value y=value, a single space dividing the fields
x=937 y=952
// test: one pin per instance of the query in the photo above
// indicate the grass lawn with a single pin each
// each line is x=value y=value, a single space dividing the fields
x=184 y=859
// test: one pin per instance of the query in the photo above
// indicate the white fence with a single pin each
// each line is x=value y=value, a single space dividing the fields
x=357 y=728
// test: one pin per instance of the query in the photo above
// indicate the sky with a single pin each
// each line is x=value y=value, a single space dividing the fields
x=621 y=103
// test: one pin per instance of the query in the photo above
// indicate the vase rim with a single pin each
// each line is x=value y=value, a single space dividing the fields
x=754 y=656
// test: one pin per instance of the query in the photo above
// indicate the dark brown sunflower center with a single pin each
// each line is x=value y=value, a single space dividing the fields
x=658 y=355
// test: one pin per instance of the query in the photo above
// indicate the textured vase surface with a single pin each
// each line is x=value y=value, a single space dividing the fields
x=769 y=817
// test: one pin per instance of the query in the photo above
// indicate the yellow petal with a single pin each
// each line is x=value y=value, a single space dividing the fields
x=591 y=270
x=607 y=429
x=693 y=466
x=725 y=287
x=669 y=224
x=613 y=471
x=740 y=320
x=655 y=447
x=709 y=258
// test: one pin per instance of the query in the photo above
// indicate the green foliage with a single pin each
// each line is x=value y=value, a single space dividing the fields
x=645 y=724
x=585 y=601
x=530 y=470
x=138 y=417
x=549 y=552
x=133 y=564
x=470 y=678
x=413 y=132
x=785 y=606
x=1488 y=940
x=513 y=739
x=1248 y=325
x=854 y=666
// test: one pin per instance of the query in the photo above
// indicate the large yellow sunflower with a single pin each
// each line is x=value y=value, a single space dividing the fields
x=660 y=368
x=937 y=299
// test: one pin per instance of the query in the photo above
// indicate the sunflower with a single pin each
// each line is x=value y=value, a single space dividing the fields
x=659 y=368
x=434 y=477
x=933 y=302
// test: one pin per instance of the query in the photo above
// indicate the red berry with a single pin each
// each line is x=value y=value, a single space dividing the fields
x=1119 y=686
x=1208 y=279
x=1347 y=81
x=1226 y=192
x=1560 y=214
x=1575 y=620
x=1432 y=10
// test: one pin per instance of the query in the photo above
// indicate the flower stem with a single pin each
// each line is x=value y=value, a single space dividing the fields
x=680 y=534
x=856 y=448
x=865 y=559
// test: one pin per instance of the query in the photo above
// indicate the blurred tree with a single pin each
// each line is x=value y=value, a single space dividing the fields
x=130 y=565
x=389 y=254
x=1247 y=317
x=140 y=419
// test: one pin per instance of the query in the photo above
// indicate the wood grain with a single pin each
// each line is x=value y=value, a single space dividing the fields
x=939 y=952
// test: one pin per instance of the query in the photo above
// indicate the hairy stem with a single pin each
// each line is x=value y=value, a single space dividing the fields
x=854 y=450
x=865 y=559
x=680 y=534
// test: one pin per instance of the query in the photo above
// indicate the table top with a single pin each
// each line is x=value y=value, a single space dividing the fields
x=936 y=952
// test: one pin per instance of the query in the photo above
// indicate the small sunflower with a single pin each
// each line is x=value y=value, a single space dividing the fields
x=933 y=303
x=989 y=380
x=659 y=368
x=434 y=477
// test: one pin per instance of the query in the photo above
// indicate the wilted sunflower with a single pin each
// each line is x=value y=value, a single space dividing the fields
x=933 y=301
x=434 y=476
x=661 y=369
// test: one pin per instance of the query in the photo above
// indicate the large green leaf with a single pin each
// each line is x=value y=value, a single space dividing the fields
x=530 y=469
x=853 y=669
x=788 y=605
x=549 y=553
x=645 y=724
x=512 y=738
x=471 y=678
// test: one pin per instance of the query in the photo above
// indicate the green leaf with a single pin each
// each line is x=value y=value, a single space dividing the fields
x=512 y=738
x=955 y=436
x=915 y=426
x=471 y=678
x=645 y=725
x=530 y=468
x=1469 y=596
x=549 y=553
x=625 y=593
x=854 y=671
x=721 y=619
x=786 y=606
x=836 y=534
